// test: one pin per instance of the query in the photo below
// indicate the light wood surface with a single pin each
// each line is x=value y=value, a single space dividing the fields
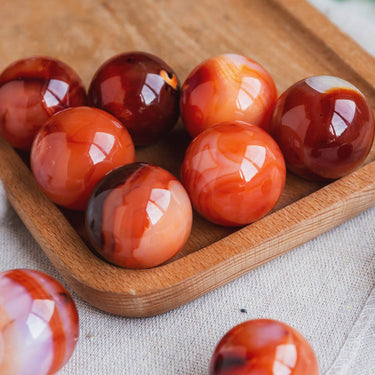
x=273 y=32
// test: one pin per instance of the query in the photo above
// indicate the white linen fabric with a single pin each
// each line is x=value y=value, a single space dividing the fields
x=325 y=289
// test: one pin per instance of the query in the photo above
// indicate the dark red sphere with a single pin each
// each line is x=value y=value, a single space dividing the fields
x=324 y=127
x=31 y=91
x=141 y=90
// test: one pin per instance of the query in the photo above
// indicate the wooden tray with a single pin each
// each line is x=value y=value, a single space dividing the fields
x=289 y=37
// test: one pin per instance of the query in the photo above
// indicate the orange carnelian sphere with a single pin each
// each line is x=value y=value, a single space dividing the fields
x=138 y=216
x=74 y=150
x=227 y=88
x=234 y=173
x=266 y=347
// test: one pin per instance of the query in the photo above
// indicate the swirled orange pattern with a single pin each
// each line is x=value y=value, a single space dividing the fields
x=139 y=216
x=234 y=173
x=227 y=87
x=266 y=347
x=74 y=150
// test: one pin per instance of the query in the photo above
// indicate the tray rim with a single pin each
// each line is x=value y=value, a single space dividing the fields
x=149 y=298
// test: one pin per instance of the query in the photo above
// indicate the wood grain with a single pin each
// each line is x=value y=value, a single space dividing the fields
x=273 y=32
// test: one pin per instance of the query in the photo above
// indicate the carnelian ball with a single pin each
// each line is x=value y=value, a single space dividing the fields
x=31 y=91
x=324 y=127
x=39 y=323
x=266 y=347
x=227 y=87
x=138 y=216
x=141 y=90
x=74 y=150
x=234 y=173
